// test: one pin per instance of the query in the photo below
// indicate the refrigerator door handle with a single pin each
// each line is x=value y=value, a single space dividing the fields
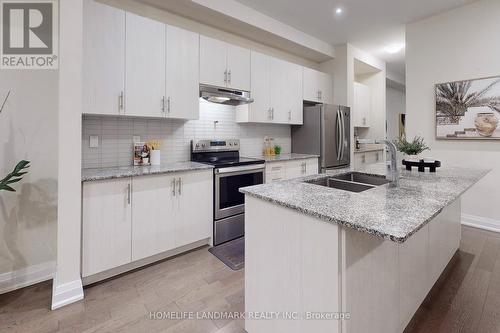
x=339 y=136
x=342 y=121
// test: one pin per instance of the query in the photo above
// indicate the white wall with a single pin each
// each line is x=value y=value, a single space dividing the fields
x=28 y=130
x=67 y=286
x=457 y=45
x=396 y=104
x=116 y=134
x=343 y=68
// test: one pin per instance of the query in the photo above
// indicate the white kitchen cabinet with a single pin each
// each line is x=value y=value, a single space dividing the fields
x=318 y=86
x=301 y=168
x=213 y=61
x=154 y=212
x=103 y=59
x=361 y=105
x=362 y=159
x=278 y=90
x=276 y=87
x=144 y=67
x=194 y=208
x=276 y=171
x=223 y=64
x=260 y=110
x=238 y=67
x=182 y=73
x=170 y=211
x=107 y=225
x=293 y=94
x=127 y=220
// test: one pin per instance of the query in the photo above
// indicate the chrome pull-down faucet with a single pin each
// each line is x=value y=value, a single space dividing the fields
x=393 y=174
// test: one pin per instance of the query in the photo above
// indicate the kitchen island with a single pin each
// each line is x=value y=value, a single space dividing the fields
x=323 y=259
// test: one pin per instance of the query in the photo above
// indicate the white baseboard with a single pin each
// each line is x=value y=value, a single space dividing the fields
x=480 y=222
x=26 y=276
x=66 y=293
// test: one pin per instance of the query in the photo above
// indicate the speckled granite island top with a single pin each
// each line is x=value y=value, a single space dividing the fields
x=286 y=157
x=133 y=171
x=393 y=213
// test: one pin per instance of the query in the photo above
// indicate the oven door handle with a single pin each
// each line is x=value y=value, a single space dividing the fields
x=241 y=169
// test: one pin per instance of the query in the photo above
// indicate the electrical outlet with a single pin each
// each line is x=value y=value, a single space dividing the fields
x=136 y=138
x=94 y=141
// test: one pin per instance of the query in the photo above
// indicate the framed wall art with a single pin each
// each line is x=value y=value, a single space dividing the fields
x=468 y=109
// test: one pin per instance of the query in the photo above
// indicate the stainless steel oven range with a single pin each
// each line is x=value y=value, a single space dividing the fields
x=231 y=172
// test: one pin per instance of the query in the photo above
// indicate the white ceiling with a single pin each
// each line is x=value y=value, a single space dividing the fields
x=371 y=25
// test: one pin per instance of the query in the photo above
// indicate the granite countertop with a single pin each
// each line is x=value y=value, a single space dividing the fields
x=393 y=213
x=286 y=157
x=133 y=171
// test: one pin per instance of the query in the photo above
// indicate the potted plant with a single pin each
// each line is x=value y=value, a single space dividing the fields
x=412 y=149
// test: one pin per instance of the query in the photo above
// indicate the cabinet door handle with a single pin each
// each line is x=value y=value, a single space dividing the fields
x=272 y=113
x=290 y=115
x=363 y=158
x=229 y=77
x=269 y=115
x=179 y=186
x=163 y=104
x=129 y=193
x=169 y=103
x=173 y=187
x=225 y=76
x=120 y=101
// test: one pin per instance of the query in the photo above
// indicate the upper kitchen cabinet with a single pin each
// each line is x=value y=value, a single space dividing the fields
x=224 y=65
x=182 y=73
x=144 y=67
x=103 y=59
x=276 y=87
x=361 y=105
x=318 y=86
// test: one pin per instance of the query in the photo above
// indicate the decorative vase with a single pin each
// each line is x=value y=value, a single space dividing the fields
x=155 y=157
x=486 y=123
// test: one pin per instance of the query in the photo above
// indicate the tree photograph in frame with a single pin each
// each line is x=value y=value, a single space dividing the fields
x=468 y=109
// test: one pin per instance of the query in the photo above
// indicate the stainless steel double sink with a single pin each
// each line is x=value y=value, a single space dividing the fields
x=352 y=181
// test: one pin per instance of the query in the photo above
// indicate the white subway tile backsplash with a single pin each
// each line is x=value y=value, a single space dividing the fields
x=115 y=135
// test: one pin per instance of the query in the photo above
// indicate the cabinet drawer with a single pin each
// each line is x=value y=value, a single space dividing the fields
x=275 y=176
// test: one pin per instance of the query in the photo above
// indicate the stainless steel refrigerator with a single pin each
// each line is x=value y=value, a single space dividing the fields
x=326 y=132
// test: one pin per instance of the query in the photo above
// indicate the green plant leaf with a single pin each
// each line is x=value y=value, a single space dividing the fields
x=15 y=176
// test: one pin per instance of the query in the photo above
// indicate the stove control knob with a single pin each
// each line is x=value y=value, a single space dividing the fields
x=203 y=145
x=236 y=143
x=197 y=145
x=230 y=143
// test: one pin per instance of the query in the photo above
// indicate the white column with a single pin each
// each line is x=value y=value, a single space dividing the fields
x=67 y=287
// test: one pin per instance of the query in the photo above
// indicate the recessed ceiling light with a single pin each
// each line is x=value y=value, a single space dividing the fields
x=338 y=11
x=395 y=48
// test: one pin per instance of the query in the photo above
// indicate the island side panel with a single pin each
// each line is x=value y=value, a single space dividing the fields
x=370 y=287
x=291 y=265
x=385 y=282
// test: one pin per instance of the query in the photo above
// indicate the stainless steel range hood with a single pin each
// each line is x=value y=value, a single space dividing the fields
x=224 y=95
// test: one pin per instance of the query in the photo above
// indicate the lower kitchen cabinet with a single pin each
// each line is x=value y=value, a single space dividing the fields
x=169 y=211
x=276 y=171
x=362 y=159
x=154 y=212
x=107 y=225
x=126 y=220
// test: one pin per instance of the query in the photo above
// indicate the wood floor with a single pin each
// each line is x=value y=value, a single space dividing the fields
x=465 y=299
